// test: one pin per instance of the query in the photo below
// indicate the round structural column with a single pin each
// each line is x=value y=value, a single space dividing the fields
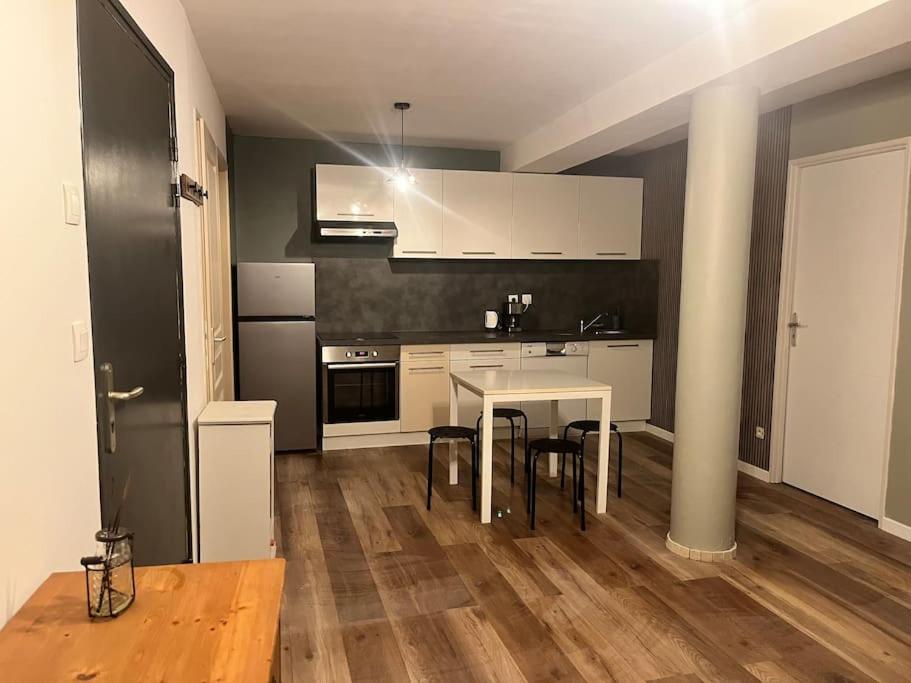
x=721 y=161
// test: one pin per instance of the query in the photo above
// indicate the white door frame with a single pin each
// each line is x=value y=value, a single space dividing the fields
x=222 y=209
x=786 y=297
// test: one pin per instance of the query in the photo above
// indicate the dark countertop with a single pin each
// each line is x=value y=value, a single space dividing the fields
x=469 y=337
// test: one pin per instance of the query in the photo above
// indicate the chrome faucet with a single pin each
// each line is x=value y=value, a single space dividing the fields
x=584 y=326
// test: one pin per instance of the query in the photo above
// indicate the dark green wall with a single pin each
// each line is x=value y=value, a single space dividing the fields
x=271 y=182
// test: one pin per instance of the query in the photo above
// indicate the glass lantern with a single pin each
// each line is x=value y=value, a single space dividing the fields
x=110 y=586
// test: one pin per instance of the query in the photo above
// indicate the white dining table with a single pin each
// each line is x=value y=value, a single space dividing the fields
x=511 y=386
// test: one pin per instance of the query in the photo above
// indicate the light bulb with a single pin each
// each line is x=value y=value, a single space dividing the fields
x=401 y=181
x=411 y=179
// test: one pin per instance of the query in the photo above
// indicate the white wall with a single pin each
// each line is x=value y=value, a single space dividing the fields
x=49 y=503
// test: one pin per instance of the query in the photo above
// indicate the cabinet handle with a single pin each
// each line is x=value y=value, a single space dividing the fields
x=418 y=251
x=610 y=253
x=495 y=365
x=426 y=353
x=436 y=367
x=623 y=346
x=547 y=253
x=339 y=213
x=479 y=253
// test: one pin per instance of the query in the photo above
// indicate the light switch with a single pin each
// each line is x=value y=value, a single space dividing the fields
x=72 y=204
x=80 y=341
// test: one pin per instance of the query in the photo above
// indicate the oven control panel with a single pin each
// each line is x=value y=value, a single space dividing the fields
x=360 y=354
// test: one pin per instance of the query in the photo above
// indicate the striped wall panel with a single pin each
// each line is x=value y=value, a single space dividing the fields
x=664 y=171
x=769 y=197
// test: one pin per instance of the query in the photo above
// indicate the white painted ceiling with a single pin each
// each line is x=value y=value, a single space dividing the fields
x=480 y=73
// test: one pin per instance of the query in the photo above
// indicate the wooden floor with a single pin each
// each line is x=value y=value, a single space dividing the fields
x=378 y=588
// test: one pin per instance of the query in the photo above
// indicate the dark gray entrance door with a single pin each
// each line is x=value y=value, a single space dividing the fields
x=133 y=236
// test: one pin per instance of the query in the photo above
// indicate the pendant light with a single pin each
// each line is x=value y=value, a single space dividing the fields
x=402 y=176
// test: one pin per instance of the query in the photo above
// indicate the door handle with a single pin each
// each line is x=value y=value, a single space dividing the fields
x=794 y=324
x=110 y=405
x=135 y=392
x=221 y=338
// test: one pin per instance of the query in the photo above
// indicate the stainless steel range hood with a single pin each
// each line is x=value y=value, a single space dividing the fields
x=360 y=230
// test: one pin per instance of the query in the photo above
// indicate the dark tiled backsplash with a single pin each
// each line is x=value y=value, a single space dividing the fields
x=375 y=294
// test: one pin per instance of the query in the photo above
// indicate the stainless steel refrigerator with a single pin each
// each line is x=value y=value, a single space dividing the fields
x=276 y=341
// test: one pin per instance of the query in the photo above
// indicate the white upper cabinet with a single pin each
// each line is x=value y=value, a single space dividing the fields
x=419 y=216
x=353 y=193
x=611 y=217
x=477 y=214
x=545 y=216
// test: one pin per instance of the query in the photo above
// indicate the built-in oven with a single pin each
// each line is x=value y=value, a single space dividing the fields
x=360 y=384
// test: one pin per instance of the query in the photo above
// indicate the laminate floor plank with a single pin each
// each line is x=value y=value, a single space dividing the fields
x=378 y=588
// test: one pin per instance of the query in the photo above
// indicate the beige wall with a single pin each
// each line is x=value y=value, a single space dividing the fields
x=49 y=503
x=871 y=112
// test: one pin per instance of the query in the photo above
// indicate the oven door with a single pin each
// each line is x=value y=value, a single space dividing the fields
x=360 y=392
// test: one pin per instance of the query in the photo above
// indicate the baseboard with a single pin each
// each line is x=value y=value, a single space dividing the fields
x=890 y=526
x=753 y=471
x=660 y=433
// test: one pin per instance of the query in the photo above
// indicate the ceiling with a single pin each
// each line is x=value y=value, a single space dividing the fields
x=479 y=73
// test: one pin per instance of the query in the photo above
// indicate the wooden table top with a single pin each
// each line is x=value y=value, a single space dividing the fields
x=214 y=621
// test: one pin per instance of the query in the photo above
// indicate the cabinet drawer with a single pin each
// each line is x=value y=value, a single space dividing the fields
x=424 y=395
x=482 y=351
x=424 y=352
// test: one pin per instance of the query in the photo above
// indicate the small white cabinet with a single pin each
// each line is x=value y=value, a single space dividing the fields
x=353 y=193
x=627 y=366
x=610 y=217
x=545 y=216
x=419 y=216
x=477 y=214
x=236 y=477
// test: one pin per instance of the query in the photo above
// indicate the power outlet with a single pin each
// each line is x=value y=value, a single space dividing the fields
x=760 y=432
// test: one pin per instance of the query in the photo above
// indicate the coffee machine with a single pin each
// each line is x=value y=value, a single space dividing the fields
x=512 y=314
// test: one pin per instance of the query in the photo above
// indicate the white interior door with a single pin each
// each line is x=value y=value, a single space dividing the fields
x=216 y=269
x=848 y=230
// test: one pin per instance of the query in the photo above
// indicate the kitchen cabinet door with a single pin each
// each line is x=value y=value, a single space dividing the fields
x=610 y=217
x=627 y=366
x=545 y=220
x=424 y=395
x=419 y=216
x=353 y=193
x=477 y=214
x=469 y=403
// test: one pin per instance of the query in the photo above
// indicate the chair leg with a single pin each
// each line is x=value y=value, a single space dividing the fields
x=582 y=490
x=562 y=471
x=512 y=451
x=528 y=477
x=429 y=472
x=525 y=441
x=475 y=466
x=619 y=465
x=534 y=488
x=573 y=456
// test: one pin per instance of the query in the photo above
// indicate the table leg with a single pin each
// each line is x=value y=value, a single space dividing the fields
x=554 y=434
x=486 y=461
x=603 y=455
x=453 y=420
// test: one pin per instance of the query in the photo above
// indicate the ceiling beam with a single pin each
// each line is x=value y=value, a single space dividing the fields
x=773 y=44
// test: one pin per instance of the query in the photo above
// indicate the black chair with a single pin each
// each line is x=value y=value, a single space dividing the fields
x=454 y=432
x=586 y=426
x=511 y=414
x=563 y=446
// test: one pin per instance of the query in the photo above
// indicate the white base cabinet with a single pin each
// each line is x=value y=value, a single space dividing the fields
x=627 y=366
x=236 y=475
x=424 y=387
x=477 y=358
